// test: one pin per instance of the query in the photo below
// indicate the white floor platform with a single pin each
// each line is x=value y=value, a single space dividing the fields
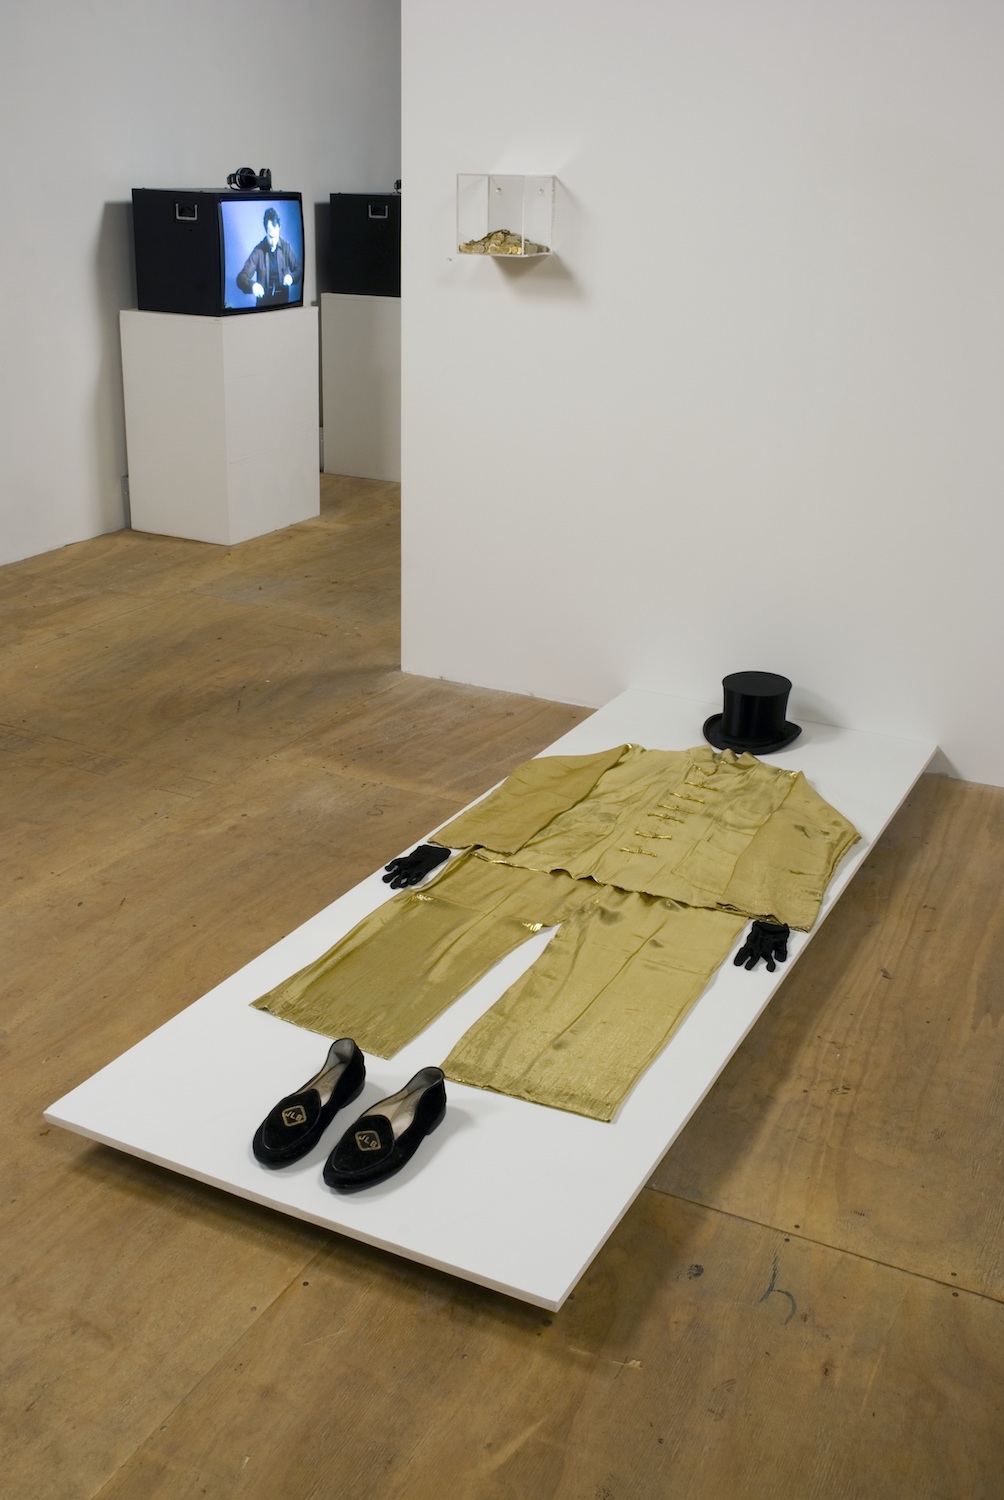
x=190 y=1096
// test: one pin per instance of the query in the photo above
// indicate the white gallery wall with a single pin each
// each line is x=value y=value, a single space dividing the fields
x=751 y=414
x=104 y=96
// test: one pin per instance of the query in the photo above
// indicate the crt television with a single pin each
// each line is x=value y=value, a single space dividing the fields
x=365 y=256
x=217 y=252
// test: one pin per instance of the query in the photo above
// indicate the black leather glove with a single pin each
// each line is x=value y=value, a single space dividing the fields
x=409 y=869
x=767 y=940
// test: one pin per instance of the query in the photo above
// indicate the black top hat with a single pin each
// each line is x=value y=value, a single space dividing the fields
x=753 y=716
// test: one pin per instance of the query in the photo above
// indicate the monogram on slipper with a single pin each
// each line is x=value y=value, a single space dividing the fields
x=388 y=1134
x=295 y=1125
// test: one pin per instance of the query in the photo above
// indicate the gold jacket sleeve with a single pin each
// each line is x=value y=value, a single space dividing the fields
x=526 y=801
x=787 y=867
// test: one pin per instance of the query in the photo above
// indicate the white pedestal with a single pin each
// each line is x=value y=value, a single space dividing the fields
x=192 y=1094
x=221 y=422
x=361 y=385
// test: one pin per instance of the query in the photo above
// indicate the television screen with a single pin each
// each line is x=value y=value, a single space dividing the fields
x=215 y=252
x=262 y=252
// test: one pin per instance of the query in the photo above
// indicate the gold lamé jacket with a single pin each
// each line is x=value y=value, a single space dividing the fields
x=705 y=828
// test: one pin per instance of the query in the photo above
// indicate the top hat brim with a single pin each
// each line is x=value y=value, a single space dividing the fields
x=713 y=734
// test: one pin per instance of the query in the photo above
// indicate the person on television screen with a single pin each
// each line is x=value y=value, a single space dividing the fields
x=272 y=267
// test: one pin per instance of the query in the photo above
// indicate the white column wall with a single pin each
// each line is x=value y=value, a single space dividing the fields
x=751 y=416
x=104 y=96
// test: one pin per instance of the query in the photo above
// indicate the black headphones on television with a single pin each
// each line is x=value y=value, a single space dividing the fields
x=246 y=179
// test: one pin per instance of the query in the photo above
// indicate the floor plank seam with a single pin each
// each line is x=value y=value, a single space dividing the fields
x=357 y=771
x=164 y=1421
x=806 y=1239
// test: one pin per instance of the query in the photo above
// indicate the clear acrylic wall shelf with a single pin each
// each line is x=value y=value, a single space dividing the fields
x=504 y=215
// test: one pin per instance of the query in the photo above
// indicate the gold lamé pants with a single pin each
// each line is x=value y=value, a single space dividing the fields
x=574 y=1032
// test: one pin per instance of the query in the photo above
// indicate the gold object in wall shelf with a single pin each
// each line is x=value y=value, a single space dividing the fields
x=503 y=242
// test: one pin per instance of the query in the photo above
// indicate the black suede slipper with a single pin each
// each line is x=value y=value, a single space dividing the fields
x=389 y=1134
x=296 y=1123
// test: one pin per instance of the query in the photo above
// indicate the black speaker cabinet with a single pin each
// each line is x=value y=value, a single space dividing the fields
x=366 y=244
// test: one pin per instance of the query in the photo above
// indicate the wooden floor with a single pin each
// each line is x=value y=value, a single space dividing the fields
x=200 y=747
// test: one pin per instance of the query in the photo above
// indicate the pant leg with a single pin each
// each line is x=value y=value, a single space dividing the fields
x=581 y=1026
x=400 y=968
